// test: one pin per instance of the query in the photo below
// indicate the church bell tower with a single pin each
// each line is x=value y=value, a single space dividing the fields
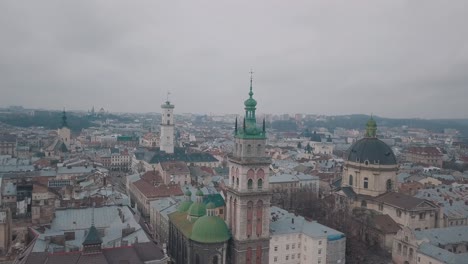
x=248 y=194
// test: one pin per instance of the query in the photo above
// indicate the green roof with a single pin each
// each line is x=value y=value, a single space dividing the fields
x=197 y=210
x=184 y=206
x=93 y=237
x=127 y=138
x=210 y=229
x=199 y=193
x=179 y=154
x=217 y=199
x=210 y=206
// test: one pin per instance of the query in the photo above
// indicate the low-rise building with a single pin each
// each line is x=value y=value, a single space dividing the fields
x=297 y=240
x=8 y=144
x=447 y=245
x=174 y=172
x=452 y=202
x=427 y=155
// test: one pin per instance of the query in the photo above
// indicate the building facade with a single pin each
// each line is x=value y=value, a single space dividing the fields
x=248 y=194
x=167 y=128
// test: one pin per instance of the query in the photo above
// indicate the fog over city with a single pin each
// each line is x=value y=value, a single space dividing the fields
x=390 y=58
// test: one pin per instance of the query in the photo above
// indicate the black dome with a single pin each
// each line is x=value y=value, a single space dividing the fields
x=373 y=150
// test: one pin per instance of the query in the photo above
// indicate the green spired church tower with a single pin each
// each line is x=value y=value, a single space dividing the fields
x=248 y=195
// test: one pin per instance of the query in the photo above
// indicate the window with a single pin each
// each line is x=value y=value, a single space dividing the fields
x=293 y=246
x=275 y=259
x=287 y=257
x=298 y=255
x=363 y=203
x=399 y=248
x=260 y=184
x=250 y=184
x=293 y=256
x=320 y=242
x=320 y=251
x=422 y=216
x=287 y=247
x=276 y=248
x=351 y=180
x=389 y=185
x=299 y=245
x=366 y=183
x=411 y=253
x=405 y=251
x=398 y=212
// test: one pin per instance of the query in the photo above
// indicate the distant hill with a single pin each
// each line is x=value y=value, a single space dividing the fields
x=359 y=122
x=46 y=119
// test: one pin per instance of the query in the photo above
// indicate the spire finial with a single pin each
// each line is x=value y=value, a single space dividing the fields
x=64 y=118
x=251 y=78
x=92 y=216
x=167 y=96
x=235 y=127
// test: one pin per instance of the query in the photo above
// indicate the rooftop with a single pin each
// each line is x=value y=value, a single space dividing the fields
x=282 y=223
x=109 y=221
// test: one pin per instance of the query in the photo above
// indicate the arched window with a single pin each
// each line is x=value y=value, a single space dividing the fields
x=259 y=214
x=260 y=174
x=215 y=259
x=250 y=174
x=230 y=212
x=237 y=182
x=259 y=254
x=249 y=218
x=366 y=183
x=363 y=203
x=351 y=180
x=234 y=217
x=248 y=256
x=249 y=149
x=389 y=185
x=410 y=253
x=260 y=184
x=250 y=184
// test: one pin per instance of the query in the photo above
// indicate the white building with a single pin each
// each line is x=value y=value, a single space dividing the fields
x=167 y=128
x=296 y=240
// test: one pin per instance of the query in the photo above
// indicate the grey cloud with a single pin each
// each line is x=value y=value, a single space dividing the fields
x=394 y=58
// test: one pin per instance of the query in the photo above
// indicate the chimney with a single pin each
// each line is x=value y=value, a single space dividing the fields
x=292 y=220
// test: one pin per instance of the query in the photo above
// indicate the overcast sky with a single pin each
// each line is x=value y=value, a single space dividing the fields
x=390 y=58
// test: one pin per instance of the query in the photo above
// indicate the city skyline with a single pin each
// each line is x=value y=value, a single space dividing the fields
x=400 y=59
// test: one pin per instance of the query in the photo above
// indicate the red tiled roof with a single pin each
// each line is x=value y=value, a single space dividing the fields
x=163 y=190
x=152 y=177
x=425 y=151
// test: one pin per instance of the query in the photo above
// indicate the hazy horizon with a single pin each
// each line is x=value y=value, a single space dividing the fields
x=395 y=59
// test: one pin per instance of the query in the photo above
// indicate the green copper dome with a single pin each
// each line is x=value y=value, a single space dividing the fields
x=197 y=210
x=210 y=229
x=184 y=206
x=188 y=193
x=199 y=193
x=250 y=103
